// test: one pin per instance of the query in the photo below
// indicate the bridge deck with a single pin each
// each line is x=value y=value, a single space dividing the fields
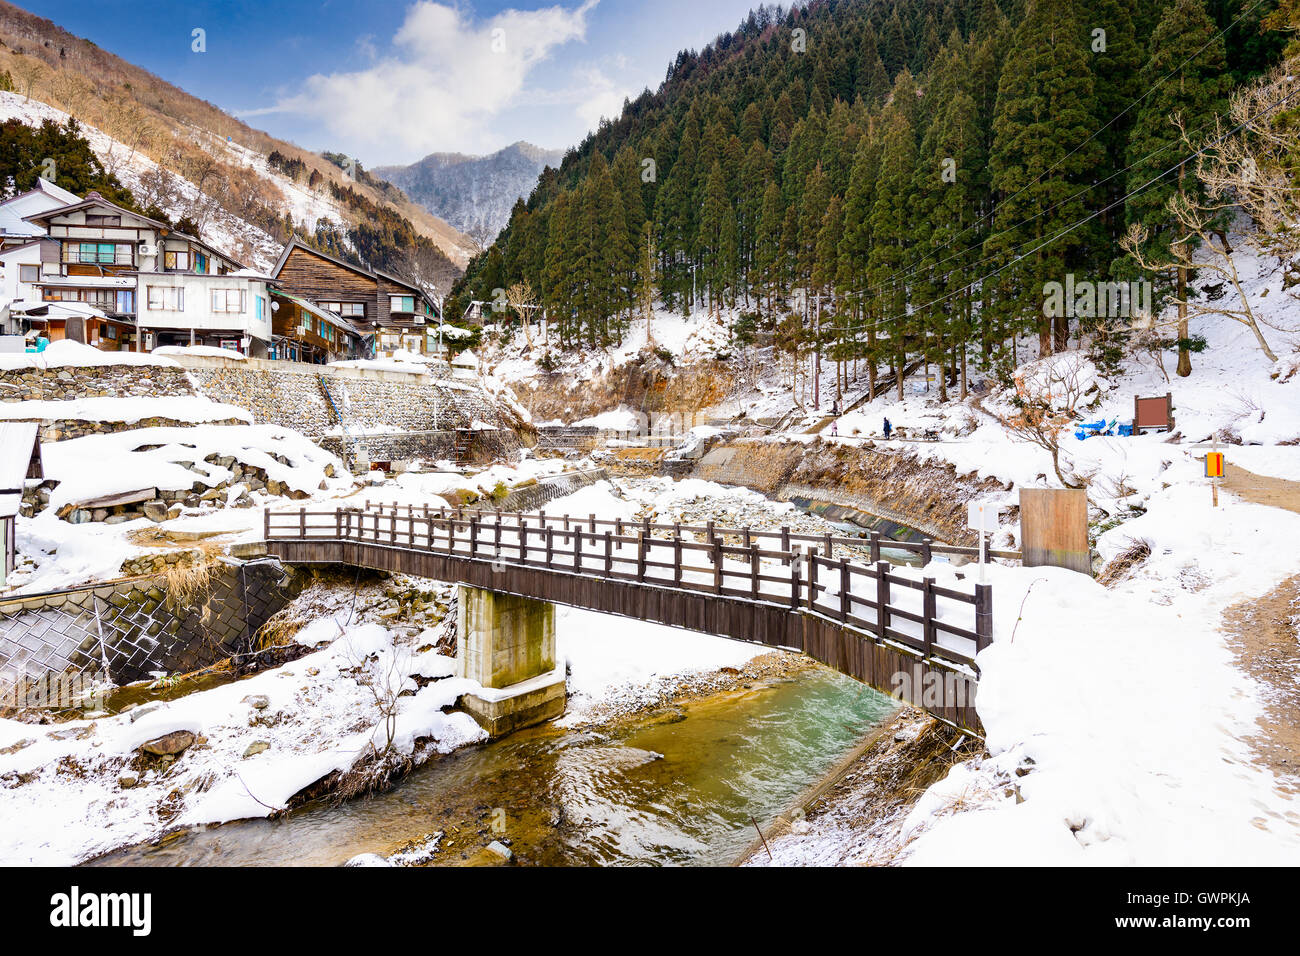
x=895 y=630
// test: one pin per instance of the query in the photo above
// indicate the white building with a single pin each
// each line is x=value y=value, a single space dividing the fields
x=140 y=284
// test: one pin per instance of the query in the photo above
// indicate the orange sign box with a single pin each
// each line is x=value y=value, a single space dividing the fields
x=1214 y=464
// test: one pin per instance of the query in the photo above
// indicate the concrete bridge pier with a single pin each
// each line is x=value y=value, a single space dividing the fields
x=507 y=644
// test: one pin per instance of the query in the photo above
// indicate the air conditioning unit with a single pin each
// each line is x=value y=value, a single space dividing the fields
x=419 y=319
x=148 y=250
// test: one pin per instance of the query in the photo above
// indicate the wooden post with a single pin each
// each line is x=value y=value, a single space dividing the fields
x=882 y=598
x=523 y=542
x=338 y=522
x=577 y=550
x=550 y=545
x=640 y=557
x=753 y=570
x=609 y=553
x=677 y=554
x=928 y=612
x=983 y=616
x=812 y=577
x=829 y=546
x=266 y=523
x=875 y=547
x=717 y=566
x=794 y=582
x=618 y=527
x=926 y=553
x=473 y=536
x=302 y=522
x=593 y=523
x=785 y=538
x=845 y=589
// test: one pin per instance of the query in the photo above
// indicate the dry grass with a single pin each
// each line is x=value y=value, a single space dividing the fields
x=1124 y=564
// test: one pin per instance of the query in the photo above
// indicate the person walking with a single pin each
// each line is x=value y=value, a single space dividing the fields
x=888 y=427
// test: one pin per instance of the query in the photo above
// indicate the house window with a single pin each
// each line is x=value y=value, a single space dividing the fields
x=401 y=303
x=98 y=253
x=177 y=260
x=166 y=299
x=352 y=310
x=29 y=273
x=259 y=305
x=228 y=300
x=200 y=263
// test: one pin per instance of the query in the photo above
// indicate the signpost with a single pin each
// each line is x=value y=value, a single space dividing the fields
x=983 y=518
x=1214 y=471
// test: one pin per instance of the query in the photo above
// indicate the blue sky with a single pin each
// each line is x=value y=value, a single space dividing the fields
x=390 y=82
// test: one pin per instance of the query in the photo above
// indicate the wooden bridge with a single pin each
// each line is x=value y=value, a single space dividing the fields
x=894 y=629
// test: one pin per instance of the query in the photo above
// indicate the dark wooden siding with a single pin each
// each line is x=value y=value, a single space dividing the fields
x=319 y=279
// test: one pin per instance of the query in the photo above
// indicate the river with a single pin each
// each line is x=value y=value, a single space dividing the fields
x=682 y=784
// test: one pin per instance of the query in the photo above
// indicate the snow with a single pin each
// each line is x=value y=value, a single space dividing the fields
x=66 y=353
x=97 y=465
x=621 y=420
x=321 y=717
x=181 y=408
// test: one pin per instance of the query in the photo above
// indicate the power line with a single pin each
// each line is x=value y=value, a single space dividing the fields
x=907 y=271
x=1066 y=231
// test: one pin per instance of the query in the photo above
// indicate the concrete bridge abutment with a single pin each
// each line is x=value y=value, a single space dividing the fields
x=507 y=644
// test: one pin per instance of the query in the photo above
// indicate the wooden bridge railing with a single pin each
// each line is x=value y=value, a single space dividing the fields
x=936 y=621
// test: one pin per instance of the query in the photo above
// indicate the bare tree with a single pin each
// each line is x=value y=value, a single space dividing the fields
x=1248 y=167
x=29 y=71
x=1048 y=394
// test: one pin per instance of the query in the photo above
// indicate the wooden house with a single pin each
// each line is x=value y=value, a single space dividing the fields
x=304 y=332
x=394 y=312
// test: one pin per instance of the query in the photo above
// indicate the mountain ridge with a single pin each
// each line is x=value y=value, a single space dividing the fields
x=473 y=193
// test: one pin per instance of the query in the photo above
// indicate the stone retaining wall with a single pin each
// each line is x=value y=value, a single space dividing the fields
x=66 y=429
x=133 y=626
x=547 y=490
x=392 y=415
x=93 y=381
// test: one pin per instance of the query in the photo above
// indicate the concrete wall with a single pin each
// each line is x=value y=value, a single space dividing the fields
x=134 y=626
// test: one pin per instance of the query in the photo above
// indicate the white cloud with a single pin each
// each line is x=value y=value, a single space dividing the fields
x=601 y=98
x=440 y=86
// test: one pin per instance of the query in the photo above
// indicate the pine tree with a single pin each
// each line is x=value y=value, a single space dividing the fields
x=1196 y=94
x=891 y=236
x=1041 y=161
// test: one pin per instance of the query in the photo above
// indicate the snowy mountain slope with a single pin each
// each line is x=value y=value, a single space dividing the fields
x=473 y=193
x=245 y=242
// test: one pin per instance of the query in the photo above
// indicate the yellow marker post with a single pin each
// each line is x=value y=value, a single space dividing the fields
x=1214 y=471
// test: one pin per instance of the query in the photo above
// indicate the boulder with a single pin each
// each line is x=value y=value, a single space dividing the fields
x=255 y=748
x=155 y=511
x=169 y=744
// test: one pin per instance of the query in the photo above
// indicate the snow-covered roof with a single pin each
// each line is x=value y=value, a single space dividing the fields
x=48 y=188
x=18 y=446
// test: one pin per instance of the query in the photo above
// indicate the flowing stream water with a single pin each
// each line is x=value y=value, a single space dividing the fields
x=682 y=784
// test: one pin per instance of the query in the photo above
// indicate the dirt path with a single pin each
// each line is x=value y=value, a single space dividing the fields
x=1261 y=489
x=1265 y=633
